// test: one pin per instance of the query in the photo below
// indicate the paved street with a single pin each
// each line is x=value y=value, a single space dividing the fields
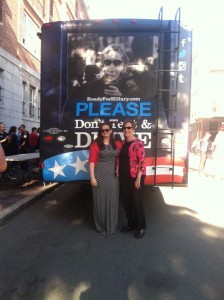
x=50 y=250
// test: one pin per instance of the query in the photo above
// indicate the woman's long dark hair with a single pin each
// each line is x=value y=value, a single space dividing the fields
x=12 y=129
x=99 y=138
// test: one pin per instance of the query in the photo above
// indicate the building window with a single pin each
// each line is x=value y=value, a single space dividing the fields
x=31 y=101
x=30 y=38
x=1 y=84
x=38 y=106
x=1 y=11
x=1 y=93
x=24 y=98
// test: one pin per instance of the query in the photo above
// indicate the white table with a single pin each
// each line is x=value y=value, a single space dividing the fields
x=23 y=157
x=27 y=174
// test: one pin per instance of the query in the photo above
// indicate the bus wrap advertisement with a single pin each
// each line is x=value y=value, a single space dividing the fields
x=91 y=76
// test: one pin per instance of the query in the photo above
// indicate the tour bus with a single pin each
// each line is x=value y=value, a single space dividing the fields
x=151 y=85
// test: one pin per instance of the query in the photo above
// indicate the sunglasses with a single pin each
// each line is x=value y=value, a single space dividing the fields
x=116 y=62
x=127 y=127
x=105 y=130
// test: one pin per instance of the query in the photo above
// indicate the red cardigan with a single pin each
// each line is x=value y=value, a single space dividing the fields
x=136 y=153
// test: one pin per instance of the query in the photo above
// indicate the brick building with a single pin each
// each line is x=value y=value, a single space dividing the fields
x=20 y=21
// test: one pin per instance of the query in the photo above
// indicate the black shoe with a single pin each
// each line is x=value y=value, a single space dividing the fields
x=139 y=234
x=126 y=229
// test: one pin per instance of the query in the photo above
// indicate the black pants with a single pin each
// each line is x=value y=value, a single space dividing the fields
x=24 y=164
x=132 y=200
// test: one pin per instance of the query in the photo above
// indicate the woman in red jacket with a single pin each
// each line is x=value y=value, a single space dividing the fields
x=3 y=162
x=105 y=184
x=132 y=172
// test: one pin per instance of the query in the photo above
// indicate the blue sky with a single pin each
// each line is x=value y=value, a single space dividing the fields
x=193 y=12
x=128 y=9
x=204 y=17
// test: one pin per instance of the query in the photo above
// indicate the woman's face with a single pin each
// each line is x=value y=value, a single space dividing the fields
x=105 y=131
x=2 y=127
x=113 y=65
x=128 y=130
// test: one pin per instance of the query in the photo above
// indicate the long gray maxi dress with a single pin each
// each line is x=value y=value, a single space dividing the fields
x=106 y=194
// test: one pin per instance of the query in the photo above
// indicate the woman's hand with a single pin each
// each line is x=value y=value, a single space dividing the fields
x=93 y=182
x=138 y=180
x=112 y=90
x=138 y=183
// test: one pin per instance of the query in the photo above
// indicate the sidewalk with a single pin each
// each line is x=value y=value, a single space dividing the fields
x=194 y=161
x=13 y=198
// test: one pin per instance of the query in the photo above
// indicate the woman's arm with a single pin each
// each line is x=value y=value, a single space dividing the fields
x=141 y=164
x=93 y=159
x=92 y=174
x=141 y=157
x=138 y=180
x=3 y=162
x=93 y=153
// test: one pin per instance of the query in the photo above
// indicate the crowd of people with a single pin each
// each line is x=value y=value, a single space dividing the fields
x=19 y=140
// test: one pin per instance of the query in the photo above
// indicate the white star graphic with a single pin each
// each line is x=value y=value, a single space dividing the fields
x=79 y=165
x=57 y=169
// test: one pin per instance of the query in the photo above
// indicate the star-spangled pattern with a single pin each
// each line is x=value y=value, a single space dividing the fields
x=60 y=168
x=57 y=169
x=79 y=165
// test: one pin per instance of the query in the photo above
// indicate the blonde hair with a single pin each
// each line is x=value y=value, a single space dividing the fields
x=113 y=47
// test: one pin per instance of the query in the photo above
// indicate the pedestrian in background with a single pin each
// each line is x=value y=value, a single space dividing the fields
x=14 y=141
x=195 y=148
x=218 y=154
x=24 y=145
x=105 y=184
x=3 y=162
x=204 y=148
x=4 y=138
x=33 y=139
x=24 y=140
x=37 y=148
x=132 y=172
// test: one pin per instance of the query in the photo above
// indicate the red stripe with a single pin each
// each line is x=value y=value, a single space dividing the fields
x=166 y=178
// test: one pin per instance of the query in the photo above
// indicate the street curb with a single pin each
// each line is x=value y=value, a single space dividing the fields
x=27 y=201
